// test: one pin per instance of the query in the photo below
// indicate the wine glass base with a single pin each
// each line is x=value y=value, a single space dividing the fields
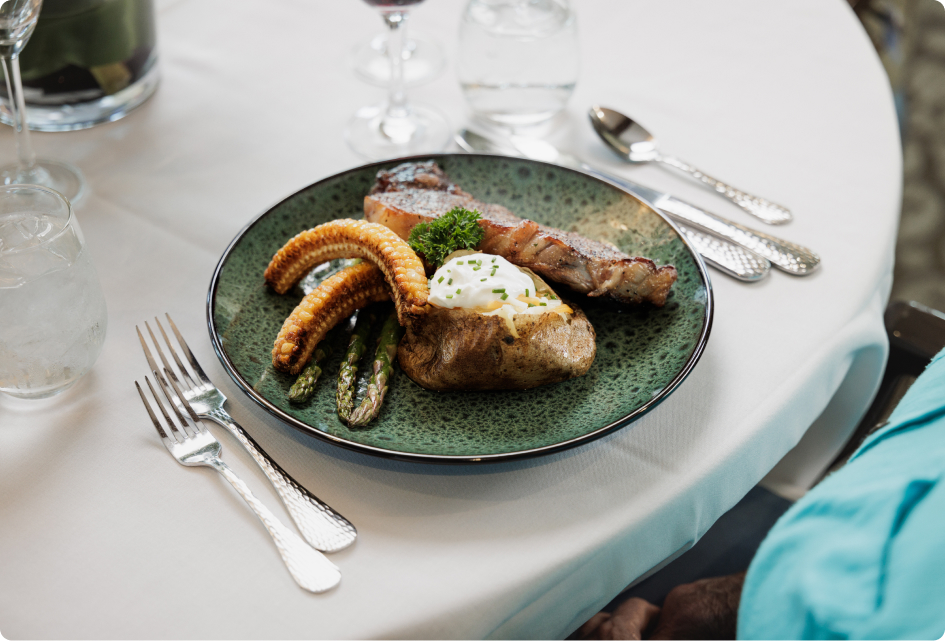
x=62 y=177
x=376 y=137
x=423 y=61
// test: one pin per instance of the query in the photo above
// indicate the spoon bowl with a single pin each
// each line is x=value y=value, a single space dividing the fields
x=629 y=139
x=632 y=142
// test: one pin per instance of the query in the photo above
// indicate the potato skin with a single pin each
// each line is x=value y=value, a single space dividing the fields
x=459 y=349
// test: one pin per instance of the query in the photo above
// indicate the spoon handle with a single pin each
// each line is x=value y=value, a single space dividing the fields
x=762 y=209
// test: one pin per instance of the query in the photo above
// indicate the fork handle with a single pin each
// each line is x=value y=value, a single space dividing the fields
x=309 y=567
x=322 y=527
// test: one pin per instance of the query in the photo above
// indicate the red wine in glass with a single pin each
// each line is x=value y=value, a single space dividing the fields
x=423 y=58
x=392 y=4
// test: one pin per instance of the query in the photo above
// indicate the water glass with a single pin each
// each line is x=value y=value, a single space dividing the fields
x=518 y=59
x=52 y=310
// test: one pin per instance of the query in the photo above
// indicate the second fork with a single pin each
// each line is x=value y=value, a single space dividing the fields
x=310 y=569
x=323 y=527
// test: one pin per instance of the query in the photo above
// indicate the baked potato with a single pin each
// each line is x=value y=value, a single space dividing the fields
x=465 y=349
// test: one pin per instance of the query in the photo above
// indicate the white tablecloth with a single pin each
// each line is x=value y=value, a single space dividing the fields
x=102 y=535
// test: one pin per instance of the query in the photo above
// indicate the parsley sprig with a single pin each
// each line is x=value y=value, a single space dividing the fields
x=454 y=230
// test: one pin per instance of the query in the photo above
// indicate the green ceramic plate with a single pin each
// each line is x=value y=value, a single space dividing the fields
x=643 y=353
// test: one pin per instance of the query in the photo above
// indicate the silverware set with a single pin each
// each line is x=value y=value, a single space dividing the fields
x=736 y=250
x=192 y=397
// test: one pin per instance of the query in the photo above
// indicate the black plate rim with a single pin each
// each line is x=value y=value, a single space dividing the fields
x=413 y=457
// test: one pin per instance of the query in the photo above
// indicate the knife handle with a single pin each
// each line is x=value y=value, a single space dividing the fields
x=785 y=255
x=728 y=257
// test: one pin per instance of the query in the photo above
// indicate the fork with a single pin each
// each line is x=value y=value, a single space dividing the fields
x=324 y=528
x=310 y=569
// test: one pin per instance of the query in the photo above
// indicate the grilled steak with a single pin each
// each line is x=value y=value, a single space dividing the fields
x=412 y=193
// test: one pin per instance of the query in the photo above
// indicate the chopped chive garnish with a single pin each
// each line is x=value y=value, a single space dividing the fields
x=498 y=291
x=459 y=291
x=459 y=262
x=526 y=293
x=482 y=280
x=543 y=304
x=493 y=260
x=449 y=295
x=449 y=282
x=504 y=296
x=476 y=269
x=553 y=297
x=530 y=305
x=440 y=279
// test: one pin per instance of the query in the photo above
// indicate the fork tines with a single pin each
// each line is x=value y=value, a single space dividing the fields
x=185 y=376
x=176 y=434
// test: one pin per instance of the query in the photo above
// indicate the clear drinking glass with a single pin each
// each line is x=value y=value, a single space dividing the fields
x=394 y=127
x=52 y=310
x=518 y=60
x=17 y=21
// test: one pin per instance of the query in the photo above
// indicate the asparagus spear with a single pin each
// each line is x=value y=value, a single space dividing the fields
x=349 y=366
x=383 y=369
x=304 y=386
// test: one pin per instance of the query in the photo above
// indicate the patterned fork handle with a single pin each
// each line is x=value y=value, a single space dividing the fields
x=321 y=526
x=310 y=569
x=758 y=207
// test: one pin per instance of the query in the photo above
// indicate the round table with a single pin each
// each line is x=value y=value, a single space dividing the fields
x=104 y=536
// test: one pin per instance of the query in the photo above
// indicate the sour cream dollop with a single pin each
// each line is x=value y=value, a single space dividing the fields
x=489 y=283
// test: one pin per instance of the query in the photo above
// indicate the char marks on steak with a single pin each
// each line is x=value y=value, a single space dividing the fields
x=418 y=192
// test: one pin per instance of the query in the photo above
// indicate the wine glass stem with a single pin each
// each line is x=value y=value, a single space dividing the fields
x=397 y=99
x=21 y=133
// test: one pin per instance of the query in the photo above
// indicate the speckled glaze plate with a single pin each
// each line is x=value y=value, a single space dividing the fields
x=643 y=353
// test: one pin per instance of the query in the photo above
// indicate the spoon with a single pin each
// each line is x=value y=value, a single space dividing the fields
x=634 y=143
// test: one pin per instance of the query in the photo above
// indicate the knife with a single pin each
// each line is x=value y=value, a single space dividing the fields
x=787 y=256
x=725 y=256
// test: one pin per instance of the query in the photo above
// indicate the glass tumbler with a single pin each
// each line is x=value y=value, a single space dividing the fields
x=52 y=310
x=518 y=60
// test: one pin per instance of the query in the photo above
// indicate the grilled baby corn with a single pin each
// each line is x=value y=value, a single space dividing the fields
x=346 y=238
x=335 y=299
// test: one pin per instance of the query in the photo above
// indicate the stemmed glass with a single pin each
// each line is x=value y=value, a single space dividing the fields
x=17 y=21
x=394 y=127
x=423 y=60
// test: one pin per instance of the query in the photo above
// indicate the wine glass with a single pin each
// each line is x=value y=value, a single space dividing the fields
x=394 y=127
x=423 y=60
x=17 y=21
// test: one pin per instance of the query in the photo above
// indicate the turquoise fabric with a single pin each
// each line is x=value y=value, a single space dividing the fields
x=862 y=555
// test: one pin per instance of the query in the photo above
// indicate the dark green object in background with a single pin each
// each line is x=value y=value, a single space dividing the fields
x=84 y=49
x=643 y=353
